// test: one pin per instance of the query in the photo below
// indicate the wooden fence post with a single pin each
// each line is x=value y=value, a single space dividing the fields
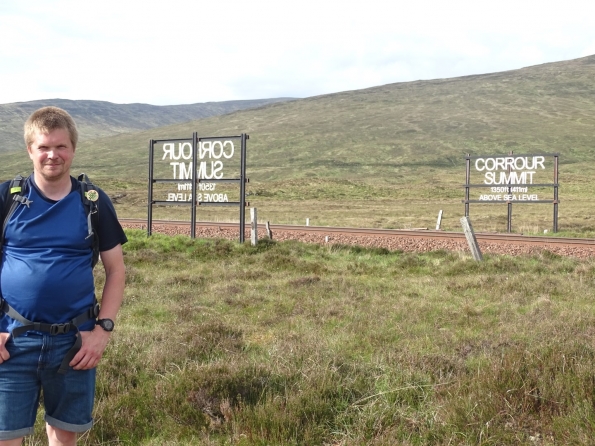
x=269 y=232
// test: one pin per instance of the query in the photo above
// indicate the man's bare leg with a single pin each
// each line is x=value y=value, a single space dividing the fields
x=13 y=442
x=60 y=437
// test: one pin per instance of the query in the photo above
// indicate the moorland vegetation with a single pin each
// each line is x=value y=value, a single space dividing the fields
x=298 y=344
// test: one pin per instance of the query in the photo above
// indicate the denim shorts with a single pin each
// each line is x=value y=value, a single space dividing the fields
x=32 y=369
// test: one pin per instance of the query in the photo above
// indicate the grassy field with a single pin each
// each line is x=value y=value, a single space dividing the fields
x=292 y=344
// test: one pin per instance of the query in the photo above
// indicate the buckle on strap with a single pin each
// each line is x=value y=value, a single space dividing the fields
x=56 y=329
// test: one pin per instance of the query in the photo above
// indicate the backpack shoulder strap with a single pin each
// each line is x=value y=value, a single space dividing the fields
x=89 y=196
x=15 y=195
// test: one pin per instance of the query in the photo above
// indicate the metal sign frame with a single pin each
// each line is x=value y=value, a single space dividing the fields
x=196 y=140
x=555 y=185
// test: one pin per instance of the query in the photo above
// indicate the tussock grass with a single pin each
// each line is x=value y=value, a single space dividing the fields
x=292 y=344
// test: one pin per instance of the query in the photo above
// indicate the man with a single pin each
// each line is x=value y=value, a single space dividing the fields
x=46 y=279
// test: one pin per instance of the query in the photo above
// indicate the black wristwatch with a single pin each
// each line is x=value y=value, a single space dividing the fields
x=106 y=324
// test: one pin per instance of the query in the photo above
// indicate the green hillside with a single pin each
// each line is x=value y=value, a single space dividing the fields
x=392 y=155
x=97 y=119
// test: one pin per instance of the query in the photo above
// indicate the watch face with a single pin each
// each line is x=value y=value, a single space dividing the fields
x=106 y=324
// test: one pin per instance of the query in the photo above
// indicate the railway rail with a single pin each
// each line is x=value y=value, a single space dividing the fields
x=393 y=239
x=410 y=240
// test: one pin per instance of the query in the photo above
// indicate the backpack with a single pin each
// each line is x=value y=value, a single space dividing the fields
x=16 y=195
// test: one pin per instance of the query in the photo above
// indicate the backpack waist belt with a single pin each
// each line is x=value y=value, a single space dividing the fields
x=52 y=329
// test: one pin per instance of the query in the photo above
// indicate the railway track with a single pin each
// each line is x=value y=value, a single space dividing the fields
x=392 y=239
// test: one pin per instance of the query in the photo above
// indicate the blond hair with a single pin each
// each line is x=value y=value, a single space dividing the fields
x=48 y=119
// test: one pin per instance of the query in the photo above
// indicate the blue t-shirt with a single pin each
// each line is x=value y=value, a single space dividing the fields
x=46 y=272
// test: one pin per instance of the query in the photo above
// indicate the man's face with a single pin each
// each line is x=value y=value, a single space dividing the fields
x=52 y=154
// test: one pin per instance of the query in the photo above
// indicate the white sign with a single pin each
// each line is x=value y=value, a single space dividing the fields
x=211 y=156
x=509 y=171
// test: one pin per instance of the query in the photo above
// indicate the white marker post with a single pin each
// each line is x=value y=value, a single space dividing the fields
x=254 y=227
x=471 y=240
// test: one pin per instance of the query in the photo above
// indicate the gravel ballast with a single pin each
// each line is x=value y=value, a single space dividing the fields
x=406 y=244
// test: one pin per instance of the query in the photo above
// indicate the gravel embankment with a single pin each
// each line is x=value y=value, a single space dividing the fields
x=407 y=244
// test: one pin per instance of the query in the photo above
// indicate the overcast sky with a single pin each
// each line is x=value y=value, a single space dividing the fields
x=187 y=51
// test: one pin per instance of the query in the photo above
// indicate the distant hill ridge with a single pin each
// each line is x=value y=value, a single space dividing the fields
x=390 y=131
x=96 y=119
x=386 y=156
x=386 y=133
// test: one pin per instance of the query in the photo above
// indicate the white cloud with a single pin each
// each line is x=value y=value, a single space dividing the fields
x=182 y=51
